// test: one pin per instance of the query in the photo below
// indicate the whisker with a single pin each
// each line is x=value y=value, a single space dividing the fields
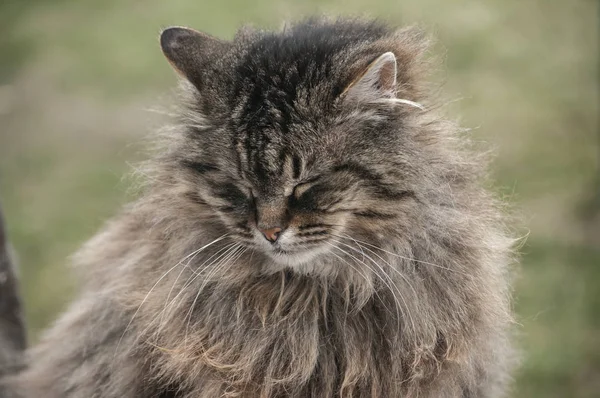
x=347 y=263
x=228 y=260
x=231 y=247
x=389 y=284
x=398 y=308
x=398 y=255
x=193 y=272
x=158 y=281
x=391 y=267
x=385 y=261
x=186 y=284
x=357 y=270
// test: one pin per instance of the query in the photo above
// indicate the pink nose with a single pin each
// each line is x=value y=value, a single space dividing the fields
x=271 y=234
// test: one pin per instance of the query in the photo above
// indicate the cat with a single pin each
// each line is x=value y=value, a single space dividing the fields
x=311 y=226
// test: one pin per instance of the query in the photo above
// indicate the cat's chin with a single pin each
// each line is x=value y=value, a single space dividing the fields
x=294 y=259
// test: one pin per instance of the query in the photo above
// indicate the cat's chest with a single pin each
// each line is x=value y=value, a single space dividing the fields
x=256 y=353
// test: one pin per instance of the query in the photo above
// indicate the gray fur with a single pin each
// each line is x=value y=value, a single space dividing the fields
x=390 y=278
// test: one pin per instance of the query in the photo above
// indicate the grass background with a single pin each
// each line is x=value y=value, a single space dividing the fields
x=77 y=80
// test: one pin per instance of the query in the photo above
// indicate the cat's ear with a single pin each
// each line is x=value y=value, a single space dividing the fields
x=189 y=52
x=376 y=82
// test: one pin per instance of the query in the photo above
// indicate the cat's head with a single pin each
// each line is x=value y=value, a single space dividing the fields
x=304 y=140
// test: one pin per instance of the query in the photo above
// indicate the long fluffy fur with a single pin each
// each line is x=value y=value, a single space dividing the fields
x=412 y=301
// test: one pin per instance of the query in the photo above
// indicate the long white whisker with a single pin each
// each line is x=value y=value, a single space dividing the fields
x=347 y=263
x=357 y=269
x=194 y=272
x=407 y=102
x=398 y=307
x=195 y=276
x=230 y=259
x=158 y=281
x=390 y=283
x=189 y=281
x=397 y=272
x=387 y=263
x=399 y=256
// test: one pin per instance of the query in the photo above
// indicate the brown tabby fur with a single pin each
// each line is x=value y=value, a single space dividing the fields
x=397 y=281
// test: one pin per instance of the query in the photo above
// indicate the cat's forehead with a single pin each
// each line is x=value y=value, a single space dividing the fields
x=272 y=157
x=284 y=91
x=275 y=93
x=298 y=73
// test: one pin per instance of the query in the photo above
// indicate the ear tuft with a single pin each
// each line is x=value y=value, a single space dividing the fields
x=378 y=81
x=384 y=69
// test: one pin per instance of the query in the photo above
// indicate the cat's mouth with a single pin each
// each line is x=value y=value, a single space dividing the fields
x=281 y=252
x=287 y=250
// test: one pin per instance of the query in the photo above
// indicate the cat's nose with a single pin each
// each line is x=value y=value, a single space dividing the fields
x=271 y=234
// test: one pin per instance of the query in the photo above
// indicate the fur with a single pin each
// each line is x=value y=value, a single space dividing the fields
x=391 y=275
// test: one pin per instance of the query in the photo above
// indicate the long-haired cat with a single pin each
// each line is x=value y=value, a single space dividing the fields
x=312 y=227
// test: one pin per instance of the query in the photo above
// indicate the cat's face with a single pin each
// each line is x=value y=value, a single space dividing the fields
x=292 y=202
x=300 y=154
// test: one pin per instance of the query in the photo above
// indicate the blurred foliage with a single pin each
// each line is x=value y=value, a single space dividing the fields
x=77 y=79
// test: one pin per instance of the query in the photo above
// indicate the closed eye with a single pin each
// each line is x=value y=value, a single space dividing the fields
x=200 y=167
x=304 y=186
x=249 y=193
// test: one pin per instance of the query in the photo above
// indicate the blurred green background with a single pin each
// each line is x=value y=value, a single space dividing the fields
x=79 y=81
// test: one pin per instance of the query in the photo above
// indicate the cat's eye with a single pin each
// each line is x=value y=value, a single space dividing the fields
x=304 y=186
x=247 y=190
